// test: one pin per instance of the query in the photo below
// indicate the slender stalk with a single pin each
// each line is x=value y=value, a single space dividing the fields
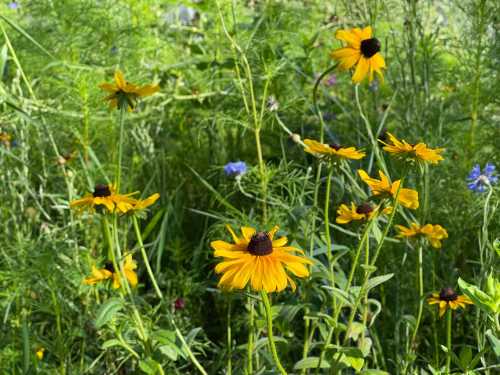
x=448 y=339
x=229 y=340
x=160 y=296
x=121 y=119
x=250 y=336
x=145 y=257
x=420 y=284
x=270 y=336
x=315 y=101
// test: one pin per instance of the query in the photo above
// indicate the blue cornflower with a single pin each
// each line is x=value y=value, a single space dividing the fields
x=479 y=181
x=13 y=5
x=235 y=169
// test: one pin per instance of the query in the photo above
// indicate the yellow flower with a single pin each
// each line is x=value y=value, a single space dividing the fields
x=447 y=298
x=39 y=353
x=324 y=150
x=6 y=139
x=347 y=214
x=433 y=233
x=258 y=258
x=99 y=275
x=105 y=195
x=123 y=92
x=141 y=204
x=418 y=152
x=129 y=267
x=407 y=197
x=108 y=272
x=362 y=50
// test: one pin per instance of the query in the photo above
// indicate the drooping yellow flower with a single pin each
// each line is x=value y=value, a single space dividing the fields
x=364 y=211
x=126 y=93
x=129 y=266
x=333 y=151
x=419 y=152
x=407 y=197
x=447 y=298
x=108 y=272
x=141 y=204
x=105 y=195
x=39 y=353
x=258 y=258
x=99 y=275
x=433 y=233
x=362 y=50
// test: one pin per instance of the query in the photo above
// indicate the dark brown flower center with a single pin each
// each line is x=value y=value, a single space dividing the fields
x=109 y=266
x=260 y=244
x=335 y=146
x=364 y=208
x=101 y=190
x=383 y=135
x=370 y=47
x=448 y=294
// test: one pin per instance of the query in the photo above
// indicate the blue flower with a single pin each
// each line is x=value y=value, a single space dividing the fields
x=479 y=181
x=234 y=169
x=13 y=5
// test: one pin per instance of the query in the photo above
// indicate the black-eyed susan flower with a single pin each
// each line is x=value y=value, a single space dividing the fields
x=126 y=93
x=105 y=195
x=383 y=187
x=258 y=258
x=447 y=298
x=362 y=51
x=434 y=233
x=99 y=275
x=364 y=211
x=332 y=151
x=418 y=152
x=129 y=267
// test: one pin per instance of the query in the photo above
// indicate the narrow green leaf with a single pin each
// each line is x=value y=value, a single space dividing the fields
x=107 y=311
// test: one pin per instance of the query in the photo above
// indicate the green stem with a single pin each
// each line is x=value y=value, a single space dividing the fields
x=420 y=282
x=448 y=339
x=229 y=340
x=315 y=101
x=160 y=296
x=121 y=117
x=250 y=337
x=145 y=257
x=270 y=336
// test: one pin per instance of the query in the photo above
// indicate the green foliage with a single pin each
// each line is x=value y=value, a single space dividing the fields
x=236 y=83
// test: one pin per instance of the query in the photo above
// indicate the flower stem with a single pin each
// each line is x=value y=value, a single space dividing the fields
x=250 y=337
x=270 y=336
x=160 y=296
x=315 y=101
x=448 y=339
x=420 y=282
x=121 y=120
x=229 y=340
x=145 y=257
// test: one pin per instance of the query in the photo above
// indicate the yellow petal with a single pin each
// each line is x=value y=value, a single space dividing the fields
x=349 y=36
x=120 y=80
x=247 y=232
x=361 y=70
x=347 y=57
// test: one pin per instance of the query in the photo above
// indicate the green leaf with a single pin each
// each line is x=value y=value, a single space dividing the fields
x=480 y=299
x=354 y=362
x=110 y=343
x=310 y=362
x=150 y=367
x=107 y=311
x=376 y=281
x=494 y=342
x=373 y=372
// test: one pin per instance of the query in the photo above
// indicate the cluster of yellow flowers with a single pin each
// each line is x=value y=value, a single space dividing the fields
x=258 y=259
x=105 y=198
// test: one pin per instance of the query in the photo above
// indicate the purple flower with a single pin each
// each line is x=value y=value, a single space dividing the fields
x=331 y=80
x=235 y=169
x=13 y=5
x=478 y=180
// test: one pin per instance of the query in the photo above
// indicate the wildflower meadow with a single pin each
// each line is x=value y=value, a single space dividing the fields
x=249 y=187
